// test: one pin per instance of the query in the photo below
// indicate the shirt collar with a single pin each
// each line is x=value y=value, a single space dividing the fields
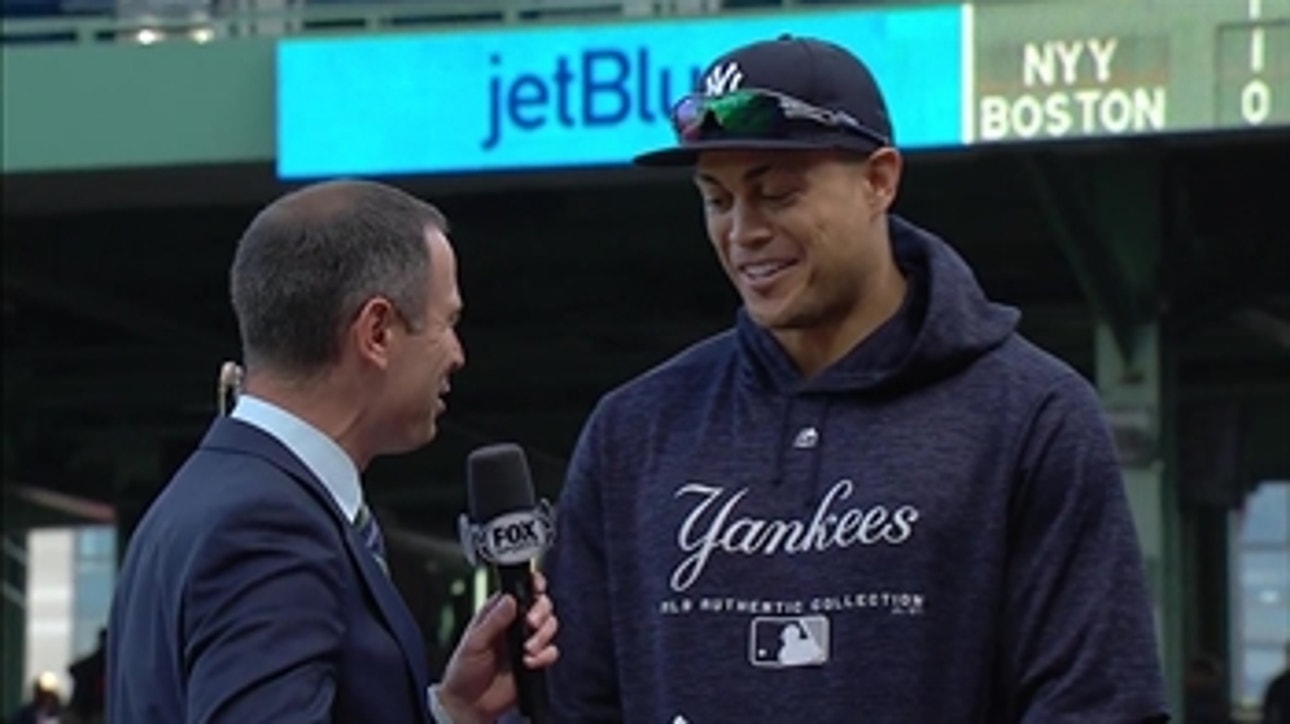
x=324 y=458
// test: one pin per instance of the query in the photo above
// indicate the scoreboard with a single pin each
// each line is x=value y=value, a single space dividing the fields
x=524 y=96
x=1056 y=70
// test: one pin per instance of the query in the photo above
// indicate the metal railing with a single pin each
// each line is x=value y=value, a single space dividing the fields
x=204 y=21
x=208 y=22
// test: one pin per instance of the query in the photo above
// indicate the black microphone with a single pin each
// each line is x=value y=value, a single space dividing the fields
x=508 y=529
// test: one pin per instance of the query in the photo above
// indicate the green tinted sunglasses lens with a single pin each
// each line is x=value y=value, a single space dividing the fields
x=745 y=112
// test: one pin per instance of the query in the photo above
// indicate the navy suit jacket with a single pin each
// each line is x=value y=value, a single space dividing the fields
x=246 y=596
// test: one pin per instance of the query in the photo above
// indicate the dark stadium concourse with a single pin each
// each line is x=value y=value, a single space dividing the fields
x=116 y=314
x=116 y=317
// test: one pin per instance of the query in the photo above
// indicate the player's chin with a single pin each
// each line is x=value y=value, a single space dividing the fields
x=790 y=306
x=778 y=315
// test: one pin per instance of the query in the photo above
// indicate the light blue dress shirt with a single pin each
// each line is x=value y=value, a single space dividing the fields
x=324 y=458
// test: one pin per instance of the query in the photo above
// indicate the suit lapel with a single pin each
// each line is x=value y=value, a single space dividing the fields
x=236 y=436
x=393 y=608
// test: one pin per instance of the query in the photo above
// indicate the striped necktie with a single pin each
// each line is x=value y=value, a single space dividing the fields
x=370 y=532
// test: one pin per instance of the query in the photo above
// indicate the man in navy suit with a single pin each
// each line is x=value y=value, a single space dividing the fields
x=254 y=588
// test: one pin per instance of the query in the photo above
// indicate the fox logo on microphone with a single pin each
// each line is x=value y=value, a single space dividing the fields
x=509 y=539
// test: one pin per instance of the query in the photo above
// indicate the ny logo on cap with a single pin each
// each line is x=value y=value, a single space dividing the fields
x=723 y=79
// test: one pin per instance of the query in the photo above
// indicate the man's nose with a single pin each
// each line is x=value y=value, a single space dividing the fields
x=748 y=226
x=458 y=355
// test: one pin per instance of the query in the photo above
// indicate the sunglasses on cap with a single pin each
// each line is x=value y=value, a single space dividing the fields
x=758 y=112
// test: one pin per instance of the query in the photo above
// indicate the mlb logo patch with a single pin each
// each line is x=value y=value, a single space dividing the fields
x=782 y=642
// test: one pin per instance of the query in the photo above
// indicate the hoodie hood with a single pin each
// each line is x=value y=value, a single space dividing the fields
x=944 y=323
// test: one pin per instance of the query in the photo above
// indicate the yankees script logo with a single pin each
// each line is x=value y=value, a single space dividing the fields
x=713 y=526
x=723 y=79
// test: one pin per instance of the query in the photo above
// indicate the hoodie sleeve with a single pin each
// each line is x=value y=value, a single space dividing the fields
x=583 y=683
x=1079 y=641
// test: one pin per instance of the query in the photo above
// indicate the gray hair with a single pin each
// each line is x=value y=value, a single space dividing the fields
x=310 y=260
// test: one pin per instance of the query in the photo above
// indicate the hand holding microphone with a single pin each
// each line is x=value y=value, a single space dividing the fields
x=480 y=683
x=509 y=640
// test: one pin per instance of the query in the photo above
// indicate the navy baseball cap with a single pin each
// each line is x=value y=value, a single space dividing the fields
x=821 y=81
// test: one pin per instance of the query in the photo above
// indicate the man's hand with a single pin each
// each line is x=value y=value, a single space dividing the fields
x=478 y=685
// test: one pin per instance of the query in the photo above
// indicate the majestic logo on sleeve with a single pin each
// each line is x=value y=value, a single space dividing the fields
x=723 y=79
x=715 y=526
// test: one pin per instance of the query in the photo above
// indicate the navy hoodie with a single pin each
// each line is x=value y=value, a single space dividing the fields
x=934 y=529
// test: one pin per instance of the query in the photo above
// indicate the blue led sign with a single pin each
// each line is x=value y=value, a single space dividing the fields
x=531 y=98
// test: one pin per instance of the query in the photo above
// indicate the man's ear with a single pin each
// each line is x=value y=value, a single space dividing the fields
x=369 y=332
x=882 y=178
